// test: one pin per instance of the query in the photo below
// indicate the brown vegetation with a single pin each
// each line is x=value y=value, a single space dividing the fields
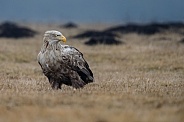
x=141 y=80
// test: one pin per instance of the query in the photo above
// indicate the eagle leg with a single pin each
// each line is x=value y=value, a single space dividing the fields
x=54 y=84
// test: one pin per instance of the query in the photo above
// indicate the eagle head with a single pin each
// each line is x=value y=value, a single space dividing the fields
x=54 y=35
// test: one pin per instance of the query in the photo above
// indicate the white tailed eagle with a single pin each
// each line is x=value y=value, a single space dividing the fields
x=63 y=64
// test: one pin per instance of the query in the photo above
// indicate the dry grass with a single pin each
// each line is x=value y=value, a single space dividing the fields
x=141 y=80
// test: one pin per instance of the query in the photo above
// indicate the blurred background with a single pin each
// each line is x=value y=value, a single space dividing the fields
x=88 y=11
x=135 y=49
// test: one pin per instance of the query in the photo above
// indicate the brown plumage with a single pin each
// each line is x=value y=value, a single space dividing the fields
x=63 y=64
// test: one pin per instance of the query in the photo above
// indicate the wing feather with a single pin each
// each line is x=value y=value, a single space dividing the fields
x=80 y=65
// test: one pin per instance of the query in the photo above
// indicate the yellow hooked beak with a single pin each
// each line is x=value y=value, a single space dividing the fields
x=62 y=38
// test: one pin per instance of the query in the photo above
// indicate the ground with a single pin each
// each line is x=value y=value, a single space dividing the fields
x=139 y=80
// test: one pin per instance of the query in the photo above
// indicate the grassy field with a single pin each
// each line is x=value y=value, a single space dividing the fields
x=140 y=80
